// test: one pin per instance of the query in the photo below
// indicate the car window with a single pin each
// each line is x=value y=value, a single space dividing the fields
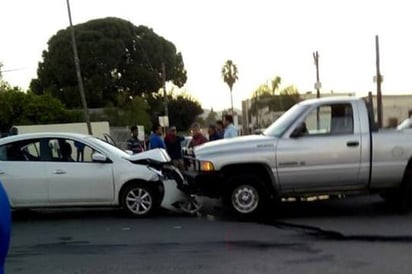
x=330 y=119
x=21 y=151
x=68 y=150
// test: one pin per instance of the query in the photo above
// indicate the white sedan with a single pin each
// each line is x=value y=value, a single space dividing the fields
x=67 y=169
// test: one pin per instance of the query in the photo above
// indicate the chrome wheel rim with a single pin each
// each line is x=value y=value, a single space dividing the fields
x=139 y=201
x=245 y=199
x=190 y=205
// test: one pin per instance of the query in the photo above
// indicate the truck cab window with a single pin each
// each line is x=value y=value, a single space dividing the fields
x=330 y=119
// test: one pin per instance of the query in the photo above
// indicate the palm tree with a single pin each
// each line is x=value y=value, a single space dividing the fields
x=275 y=84
x=229 y=74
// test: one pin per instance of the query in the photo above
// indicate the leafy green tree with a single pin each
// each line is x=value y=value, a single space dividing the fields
x=274 y=97
x=230 y=75
x=275 y=84
x=129 y=111
x=115 y=56
x=211 y=117
x=183 y=110
x=18 y=108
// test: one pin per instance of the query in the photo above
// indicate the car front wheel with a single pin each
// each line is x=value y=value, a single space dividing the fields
x=138 y=200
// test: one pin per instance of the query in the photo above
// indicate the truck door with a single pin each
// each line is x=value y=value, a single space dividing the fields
x=324 y=154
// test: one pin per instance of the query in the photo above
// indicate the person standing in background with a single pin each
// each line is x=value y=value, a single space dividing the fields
x=230 y=129
x=174 y=147
x=134 y=144
x=213 y=133
x=220 y=128
x=197 y=137
x=156 y=139
x=5 y=224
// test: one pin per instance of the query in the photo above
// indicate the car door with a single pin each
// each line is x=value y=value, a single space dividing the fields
x=327 y=153
x=74 y=178
x=23 y=173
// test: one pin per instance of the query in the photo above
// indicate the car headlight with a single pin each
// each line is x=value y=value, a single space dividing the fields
x=156 y=171
x=206 y=166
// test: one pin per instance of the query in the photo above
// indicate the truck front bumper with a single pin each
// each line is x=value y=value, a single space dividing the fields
x=208 y=184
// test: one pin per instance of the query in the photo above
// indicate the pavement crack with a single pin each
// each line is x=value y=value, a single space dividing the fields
x=319 y=232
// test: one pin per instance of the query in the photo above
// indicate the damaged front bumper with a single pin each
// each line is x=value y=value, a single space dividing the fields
x=202 y=183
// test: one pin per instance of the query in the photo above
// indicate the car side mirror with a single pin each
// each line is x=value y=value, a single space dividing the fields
x=299 y=131
x=98 y=157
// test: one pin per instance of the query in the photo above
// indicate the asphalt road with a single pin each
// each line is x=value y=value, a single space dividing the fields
x=355 y=235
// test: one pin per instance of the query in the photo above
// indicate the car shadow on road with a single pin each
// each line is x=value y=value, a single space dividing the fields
x=90 y=213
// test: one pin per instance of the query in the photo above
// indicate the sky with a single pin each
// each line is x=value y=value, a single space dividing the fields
x=264 y=38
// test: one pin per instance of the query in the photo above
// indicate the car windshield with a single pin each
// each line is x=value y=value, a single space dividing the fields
x=284 y=121
x=109 y=147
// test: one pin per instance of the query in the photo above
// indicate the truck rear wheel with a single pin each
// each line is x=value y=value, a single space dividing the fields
x=401 y=197
x=245 y=195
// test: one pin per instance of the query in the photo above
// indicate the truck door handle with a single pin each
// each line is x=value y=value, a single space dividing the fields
x=352 y=144
x=59 y=171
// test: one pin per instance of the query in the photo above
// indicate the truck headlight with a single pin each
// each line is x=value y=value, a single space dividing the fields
x=206 y=166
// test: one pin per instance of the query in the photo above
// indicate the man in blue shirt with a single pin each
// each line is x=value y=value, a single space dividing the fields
x=156 y=139
x=230 y=129
x=5 y=220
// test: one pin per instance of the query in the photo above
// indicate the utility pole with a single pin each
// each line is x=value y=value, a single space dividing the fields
x=317 y=84
x=78 y=72
x=164 y=89
x=378 y=78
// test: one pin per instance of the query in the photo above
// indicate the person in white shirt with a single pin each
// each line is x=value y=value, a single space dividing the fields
x=230 y=129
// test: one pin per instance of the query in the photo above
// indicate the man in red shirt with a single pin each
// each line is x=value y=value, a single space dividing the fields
x=197 y=137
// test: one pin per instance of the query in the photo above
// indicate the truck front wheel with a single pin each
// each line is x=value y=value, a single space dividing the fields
x=245 y=195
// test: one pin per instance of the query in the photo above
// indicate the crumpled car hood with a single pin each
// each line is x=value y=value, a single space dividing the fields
x=158 y=154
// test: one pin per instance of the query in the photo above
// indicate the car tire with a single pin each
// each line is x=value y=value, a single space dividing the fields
x=139 y=200
x=245 y=196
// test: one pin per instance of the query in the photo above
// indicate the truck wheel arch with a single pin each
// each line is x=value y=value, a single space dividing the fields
x=259 y=169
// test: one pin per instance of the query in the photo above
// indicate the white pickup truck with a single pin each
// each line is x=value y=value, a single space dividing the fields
x=321 y=146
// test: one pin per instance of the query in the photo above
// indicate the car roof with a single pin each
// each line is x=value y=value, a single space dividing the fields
x=26 y=136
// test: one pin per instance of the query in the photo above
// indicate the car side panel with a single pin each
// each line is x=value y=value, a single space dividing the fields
x=25 y=183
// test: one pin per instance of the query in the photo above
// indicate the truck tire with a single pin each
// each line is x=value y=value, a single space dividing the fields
x=139 y=200
x=401 y=197
x=245 y=195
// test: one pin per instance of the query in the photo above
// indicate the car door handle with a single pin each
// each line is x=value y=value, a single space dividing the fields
x=59 y=171
x=352 y=144
x=2 y=172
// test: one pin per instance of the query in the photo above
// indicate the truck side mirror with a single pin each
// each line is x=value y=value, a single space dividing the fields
x=299 y=131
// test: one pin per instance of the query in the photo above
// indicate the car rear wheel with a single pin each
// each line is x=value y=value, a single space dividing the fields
x=138 y=200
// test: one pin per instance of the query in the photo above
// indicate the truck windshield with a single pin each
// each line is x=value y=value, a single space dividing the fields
x=284 y=121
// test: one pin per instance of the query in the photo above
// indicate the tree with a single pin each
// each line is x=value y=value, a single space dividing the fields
x=211 y=118
x=18 y=108
x=274 y=97
x=229 y=74
x=129 y=111
x=115 y=56
x=183 y=109
x=275 y=84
